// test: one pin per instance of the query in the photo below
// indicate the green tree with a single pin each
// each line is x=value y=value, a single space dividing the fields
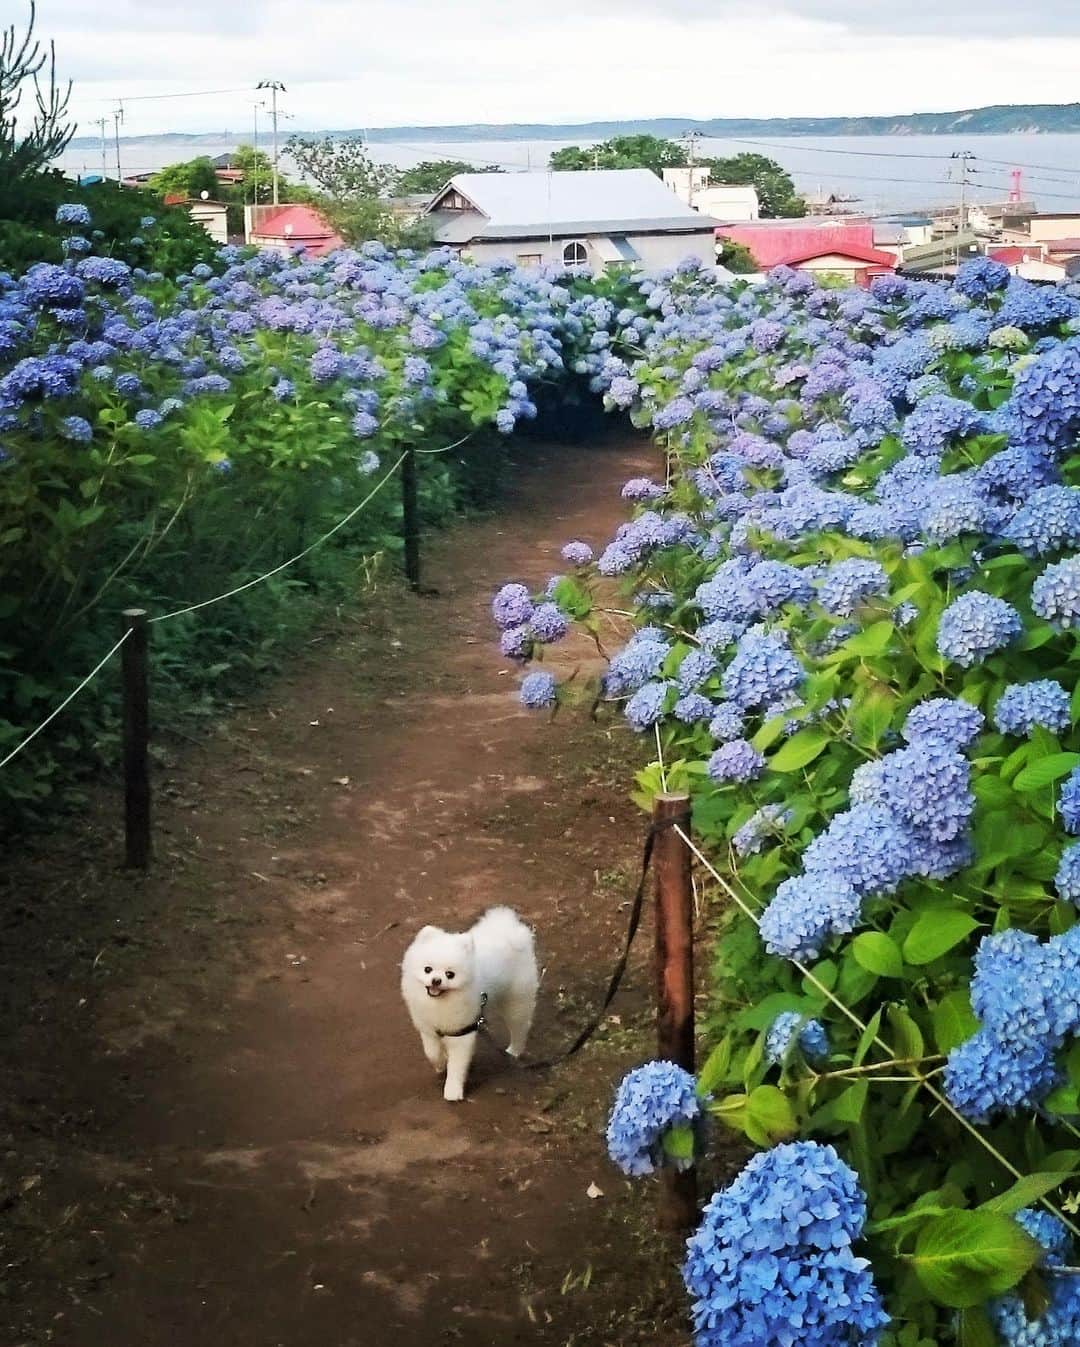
x=352 y=187
x=777 y=196
x=258 y=174
x=431 y=174
x=652 y=152
x=192 y=177
x=30 y=139
x=737 y=257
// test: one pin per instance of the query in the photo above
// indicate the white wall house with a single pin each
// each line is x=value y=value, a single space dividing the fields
x=608 y=218
x=733 y=203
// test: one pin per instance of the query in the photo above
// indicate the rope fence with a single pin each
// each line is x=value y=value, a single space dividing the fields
x=135 y=681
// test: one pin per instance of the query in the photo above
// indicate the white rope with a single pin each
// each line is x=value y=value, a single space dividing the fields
x=447 y=447
x=68 y=699
x=194 y=607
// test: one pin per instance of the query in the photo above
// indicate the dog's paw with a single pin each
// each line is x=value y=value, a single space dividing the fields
x=515 y=1051
x=454 y=1094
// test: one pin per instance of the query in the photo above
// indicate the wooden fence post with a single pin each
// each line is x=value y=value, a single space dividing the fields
x=410 y=520
x=674 y=981
x=136 y=740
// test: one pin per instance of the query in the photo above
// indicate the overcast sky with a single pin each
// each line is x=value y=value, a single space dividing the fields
x=356 y=63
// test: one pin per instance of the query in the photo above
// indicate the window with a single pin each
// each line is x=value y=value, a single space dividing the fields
x=529 y=259
x=575 y=254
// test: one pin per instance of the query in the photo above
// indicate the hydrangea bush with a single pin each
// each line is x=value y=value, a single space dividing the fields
x=164 y=438
x=857 y=585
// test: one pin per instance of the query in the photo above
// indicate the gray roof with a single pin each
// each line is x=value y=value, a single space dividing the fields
x=530 y=205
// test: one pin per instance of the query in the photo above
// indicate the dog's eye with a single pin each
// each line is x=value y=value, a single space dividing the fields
x=428 y=969
x=449 y=975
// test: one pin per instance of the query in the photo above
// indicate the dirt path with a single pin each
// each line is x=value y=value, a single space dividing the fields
x=219 y=1127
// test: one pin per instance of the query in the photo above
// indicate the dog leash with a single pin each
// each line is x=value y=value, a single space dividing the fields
x=620 y=967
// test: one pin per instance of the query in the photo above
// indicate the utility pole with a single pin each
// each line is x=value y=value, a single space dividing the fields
x=255 y=160
x=275 y=86
x=691 y=138
x=964 y=157
x=100 y=123
x=118 y=117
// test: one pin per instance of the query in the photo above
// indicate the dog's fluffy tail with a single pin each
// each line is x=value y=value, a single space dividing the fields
x=503 y=923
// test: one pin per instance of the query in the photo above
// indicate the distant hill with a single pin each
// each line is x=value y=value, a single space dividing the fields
x=1001 y=119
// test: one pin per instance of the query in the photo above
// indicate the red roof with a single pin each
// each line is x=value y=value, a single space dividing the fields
x=1063 y=245
x=774 y=241
x=1012 y=256
x=871 y=257
x=299 y=226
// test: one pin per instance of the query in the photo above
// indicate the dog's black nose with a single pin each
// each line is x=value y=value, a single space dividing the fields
x=436 y=982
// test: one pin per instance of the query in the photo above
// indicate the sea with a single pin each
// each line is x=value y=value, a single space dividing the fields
x=876 y=174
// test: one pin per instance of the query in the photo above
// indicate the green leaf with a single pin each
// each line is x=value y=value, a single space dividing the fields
x=954 y=1020
x=873 y=640
x=866 y=1038
x=801 y=749
x=1026 y=1191
x=678 y=1142
x=966 y=1257
x=716 y=1067
x=906 y=1036
x=1046 y=771
x=849 y=1106
x=936 y=931
x=878 y=953
x=871 y=715
x=769 y=1116
x=974 y=1329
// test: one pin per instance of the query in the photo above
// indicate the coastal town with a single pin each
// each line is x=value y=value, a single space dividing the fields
x=625 y=217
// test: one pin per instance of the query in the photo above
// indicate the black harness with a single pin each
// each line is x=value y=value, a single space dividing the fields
x=473 y=1028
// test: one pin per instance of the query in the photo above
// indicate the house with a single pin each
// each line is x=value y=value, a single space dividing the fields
x=287 y=229
x=773 y=241
x=1028 y=261
x=724 y=200
x=852 y=262
x=942 y=256
x=212 y=215
x=600 y=219
x=889 y=237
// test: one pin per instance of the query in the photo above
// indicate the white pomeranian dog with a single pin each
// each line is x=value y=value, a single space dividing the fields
x=453 y=980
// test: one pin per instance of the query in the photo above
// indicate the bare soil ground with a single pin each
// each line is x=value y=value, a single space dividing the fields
x=216 y=1124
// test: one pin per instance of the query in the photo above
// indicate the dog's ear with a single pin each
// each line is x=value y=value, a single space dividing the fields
x=426 y=932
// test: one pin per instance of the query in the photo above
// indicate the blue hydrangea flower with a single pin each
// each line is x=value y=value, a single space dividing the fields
x=1067 y=879
x=1055 y=595
x=538 y=691
x=1022 y=706
x=867 y=846
x=984 y=1076
x=1048 y=521
x=806 y=911
x=548 y=624
x=512 y=606
x=849 y=583
x=646 y=706
x=73 y=213
x=948 y=720
x=577 y=553
x=762 y=669
x=772 y=1261
x=974 y=626
x=76 y=428
x=767 y=822
x=697 y=666
x=737 y=760
x=634 y=665
x=927 y=786
x=650 y=1101
x=727 y=721
x=692 y=707
x=1069 y=802
x=791 y=1027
